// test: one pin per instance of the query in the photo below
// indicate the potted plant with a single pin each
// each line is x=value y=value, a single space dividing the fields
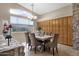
x=39 y=28
x=40 y=31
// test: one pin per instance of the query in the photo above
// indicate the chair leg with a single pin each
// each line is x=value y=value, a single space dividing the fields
x=53 y=51
x=44 y=48
x=48 y=48
x=57 y=50
x=35 y=49
x=30 y=47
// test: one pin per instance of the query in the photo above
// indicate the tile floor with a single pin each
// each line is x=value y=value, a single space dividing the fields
x=63 y=50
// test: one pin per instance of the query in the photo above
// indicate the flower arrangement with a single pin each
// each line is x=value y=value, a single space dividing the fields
x=39 y=28
x=6 y=29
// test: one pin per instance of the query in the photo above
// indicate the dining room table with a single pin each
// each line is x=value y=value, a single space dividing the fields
x=14 y=49
x=44 y=39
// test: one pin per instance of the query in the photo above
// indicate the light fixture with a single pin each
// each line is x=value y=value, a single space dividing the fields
x=33 y=16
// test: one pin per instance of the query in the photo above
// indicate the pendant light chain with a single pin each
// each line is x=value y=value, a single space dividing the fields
x=32 y=10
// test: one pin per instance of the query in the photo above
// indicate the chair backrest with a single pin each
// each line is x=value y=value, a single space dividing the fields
x=32 y=38
x=54 y=41
x=27 y=38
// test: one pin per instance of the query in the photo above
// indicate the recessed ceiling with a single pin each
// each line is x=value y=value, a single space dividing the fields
x=43 y=8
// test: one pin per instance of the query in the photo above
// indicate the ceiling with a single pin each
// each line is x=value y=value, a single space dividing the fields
x=43 y=8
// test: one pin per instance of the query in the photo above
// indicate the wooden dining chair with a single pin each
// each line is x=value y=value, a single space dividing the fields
x=52 y=44
x=28 y=42
x=34 y=42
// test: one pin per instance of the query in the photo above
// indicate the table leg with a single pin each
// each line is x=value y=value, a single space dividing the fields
x=44 y=47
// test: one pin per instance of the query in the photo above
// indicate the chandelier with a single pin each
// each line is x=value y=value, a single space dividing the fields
x=33 y=17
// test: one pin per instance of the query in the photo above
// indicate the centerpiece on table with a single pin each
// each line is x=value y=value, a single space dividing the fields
x=7 y=32
x=40 y=31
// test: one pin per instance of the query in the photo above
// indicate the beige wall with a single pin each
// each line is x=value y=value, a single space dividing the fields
x=62 y=12
x=19 y=36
